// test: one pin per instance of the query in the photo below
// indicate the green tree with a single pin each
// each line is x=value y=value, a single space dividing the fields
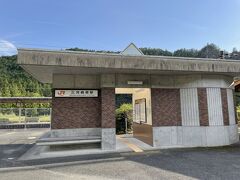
x=124 y=111
x=14 y=81
x=186 y=53
x=209 y=51
x=5 y=91
x=16 y=91
x=155 y=52
x=235 y=54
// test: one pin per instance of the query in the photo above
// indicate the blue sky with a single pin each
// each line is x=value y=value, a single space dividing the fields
x=112 y=24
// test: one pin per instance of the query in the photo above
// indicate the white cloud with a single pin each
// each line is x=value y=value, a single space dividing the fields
x=7 y=48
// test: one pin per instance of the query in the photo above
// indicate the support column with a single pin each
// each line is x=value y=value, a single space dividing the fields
x=203 y=107
x=166 y=117
x=108 y=118
x=225 y=107
x=231 y=107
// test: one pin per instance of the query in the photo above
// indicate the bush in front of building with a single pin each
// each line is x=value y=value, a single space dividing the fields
x=4 y=120
x=238 y=114
x=125 y=111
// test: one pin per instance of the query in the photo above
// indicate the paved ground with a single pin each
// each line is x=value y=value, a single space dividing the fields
x=217 y=163
x=14 y=143
x=197 y=163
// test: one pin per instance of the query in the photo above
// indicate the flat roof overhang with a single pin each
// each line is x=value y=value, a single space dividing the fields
x=42 y=64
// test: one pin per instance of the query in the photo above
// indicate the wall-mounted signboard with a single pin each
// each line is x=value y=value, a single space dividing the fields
x=140 y=110
x=76 y=93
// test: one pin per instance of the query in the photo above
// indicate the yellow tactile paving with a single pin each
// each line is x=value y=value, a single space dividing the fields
x=134 y=147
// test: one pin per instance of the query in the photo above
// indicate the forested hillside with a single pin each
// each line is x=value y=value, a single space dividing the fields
x=15 y=82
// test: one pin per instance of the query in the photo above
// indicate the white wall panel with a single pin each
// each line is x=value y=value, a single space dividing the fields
x=231 y=111
x=214 y=106
x=200 y=136
x=189 y=107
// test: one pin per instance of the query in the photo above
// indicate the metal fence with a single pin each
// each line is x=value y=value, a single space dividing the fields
x=25 y=116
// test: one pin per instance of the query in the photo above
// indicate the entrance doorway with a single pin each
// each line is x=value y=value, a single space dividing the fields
x=134 y=113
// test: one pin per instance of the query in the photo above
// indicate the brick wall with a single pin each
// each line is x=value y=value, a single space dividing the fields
x=166 y=109
x=203 y=107
x=225 y=106
x=76 y=113
x=108 y=108
x=100 y=111
x=85 y=112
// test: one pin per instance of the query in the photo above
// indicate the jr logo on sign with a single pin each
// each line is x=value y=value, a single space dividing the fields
x=61 y=93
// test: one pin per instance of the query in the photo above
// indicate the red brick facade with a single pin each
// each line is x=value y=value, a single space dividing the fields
x=76 y=113
x=166 y=109
x=108 y=108
x=100 y=111
x=203 y=107
x=91 y=112
x=225 y=107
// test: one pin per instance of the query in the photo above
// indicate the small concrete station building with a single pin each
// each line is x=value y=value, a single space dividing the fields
x=177 y=102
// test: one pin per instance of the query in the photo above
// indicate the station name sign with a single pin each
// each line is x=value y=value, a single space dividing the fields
x=76 y=93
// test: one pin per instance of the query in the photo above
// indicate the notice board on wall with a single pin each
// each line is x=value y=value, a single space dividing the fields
x=140 y=110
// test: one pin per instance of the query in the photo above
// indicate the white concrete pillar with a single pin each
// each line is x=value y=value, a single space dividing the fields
x=189 y=107
x=215 y=114
x=231 y=107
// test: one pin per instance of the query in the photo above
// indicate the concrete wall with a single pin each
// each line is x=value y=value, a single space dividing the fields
x=76 y=132
x=205 y=117
x=207 y=111
x=143 y=93
x=149 y=81
x=215 y=113
x=38 y=62
x=76 y=81
x=143 y=131
x=180 y=136
x=189 y=107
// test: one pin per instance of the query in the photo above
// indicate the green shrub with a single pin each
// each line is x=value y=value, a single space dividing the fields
x=4 y=120
x=31 y=119
x=124 y=111
x=238 y=114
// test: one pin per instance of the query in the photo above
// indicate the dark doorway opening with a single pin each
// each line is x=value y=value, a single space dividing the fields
x=124 y=114
x=134 y=113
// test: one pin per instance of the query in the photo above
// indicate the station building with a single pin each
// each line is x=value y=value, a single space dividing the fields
x=178 y=102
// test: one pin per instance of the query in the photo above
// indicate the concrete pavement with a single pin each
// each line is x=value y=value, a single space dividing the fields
x=15 y=142
x=193 y=163
x=199 y=163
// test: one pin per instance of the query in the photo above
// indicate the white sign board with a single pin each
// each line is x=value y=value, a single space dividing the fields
x=76 y=93
x=140 y=110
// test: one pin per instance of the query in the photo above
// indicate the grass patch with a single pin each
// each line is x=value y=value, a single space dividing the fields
x=12 y=118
